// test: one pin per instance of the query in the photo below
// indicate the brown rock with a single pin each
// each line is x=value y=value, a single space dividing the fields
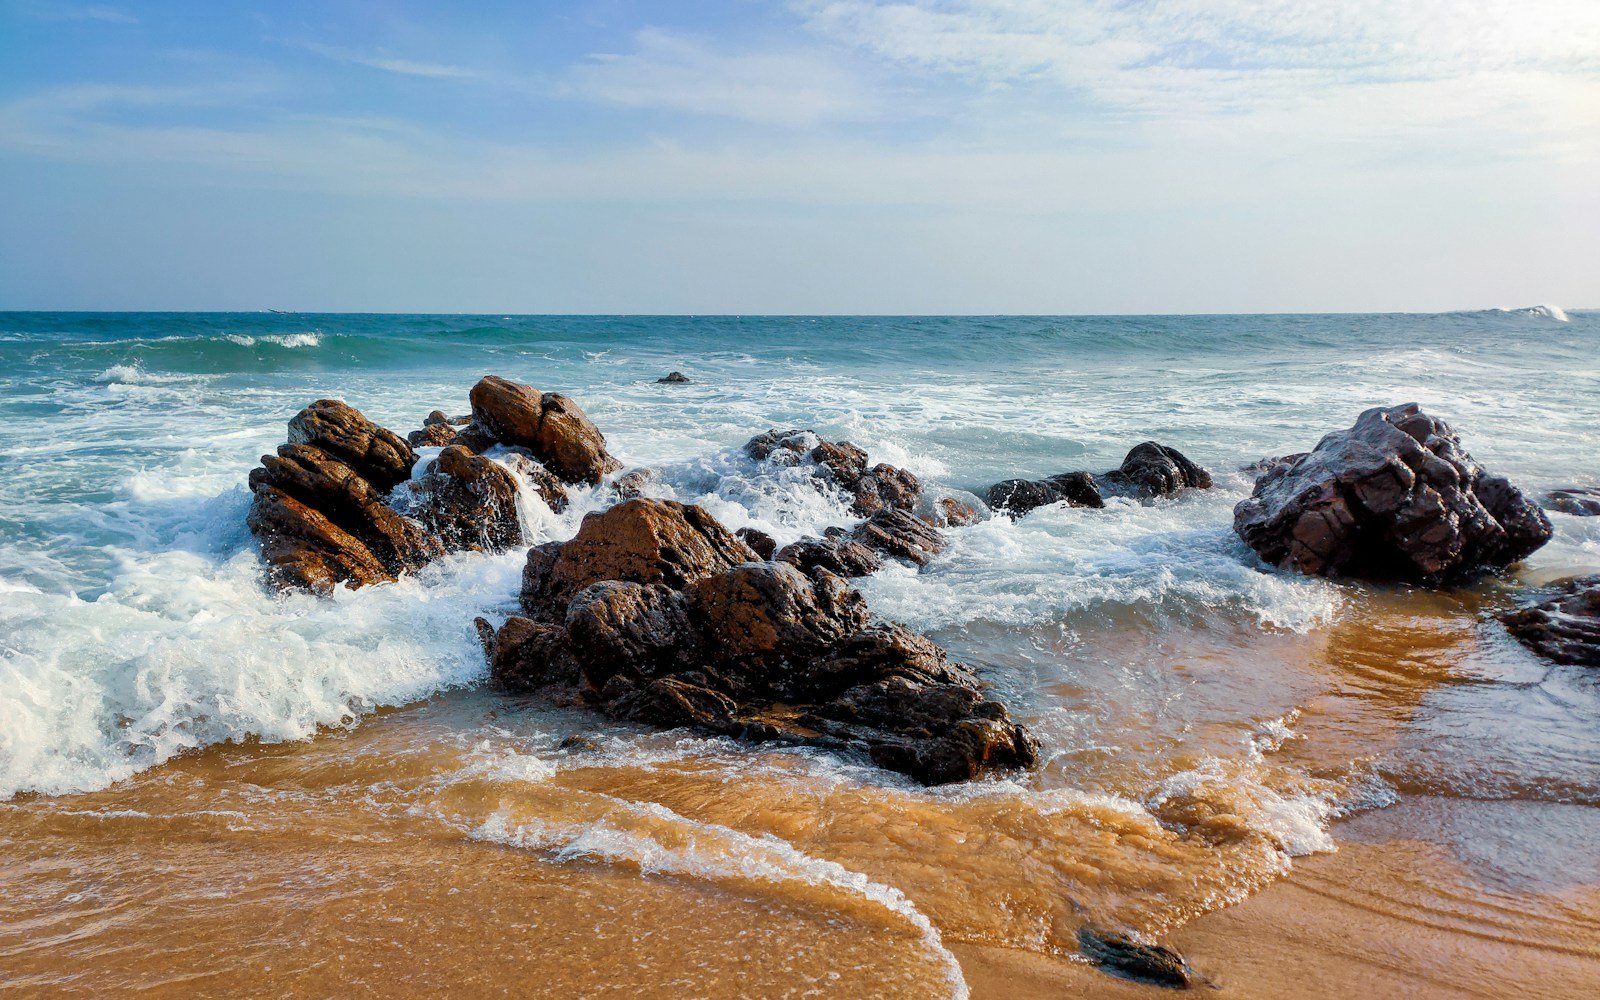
x=550 y=425
x=642 y=630
x=1393 y=498
x=835 y=552
x=761 y=543
x=528 y=655
x=469 y=502
x=638 y=541
x=1154 y=470
x=901 y=534
x=1565 y=625
x=306 y=551
x=432 y=435
x=377 y=455
x=764 y=614
x=883 y=487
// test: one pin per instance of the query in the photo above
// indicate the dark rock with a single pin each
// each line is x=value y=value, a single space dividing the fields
x=1017 y=497
x=306 y=551
x=1579 y=501
x=433 y=435
x=674 y=378
x=761 y=543
x=835 y=552
x=377 y=455
x=638 y=541
x=335 y=490
x=579 y=743
x=655 y=613
x=631 y=485
x=1564 y=626
x=1393 y=498
x=901 y=534
x=475 y=438
x=882 y=487
x=549 y=425
x=1155 y=964
x=1267 y=466
x=1154 y=470
x=469 y=502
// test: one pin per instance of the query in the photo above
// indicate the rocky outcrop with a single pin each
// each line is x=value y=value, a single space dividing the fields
x=1017 y=497
x=1579 y=501
x=673 y=378
x=1564 y=626
x=468 y=502
x=1148 y=471
x=870 y=490
x=1153 y=470
x=551 y=426
x=319 y=507
x=655 y=613
x=1393 y=498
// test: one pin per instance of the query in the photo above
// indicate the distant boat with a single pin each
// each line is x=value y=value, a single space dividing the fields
x=281 y=312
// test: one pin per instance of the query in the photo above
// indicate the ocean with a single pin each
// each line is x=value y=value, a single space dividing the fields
x=185 y=752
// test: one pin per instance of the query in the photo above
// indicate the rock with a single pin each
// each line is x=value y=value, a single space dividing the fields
x=377 y=455
x=1147 y=963
x=579 y=743
x=432 y=435
x=947 y=508
x=1154 y=470
x=1565 y=626
x=674 y=378
x=441 y=417
x=306 y=551
x=631 y=485
x=901 y=534
x=540 y=479
x=469 y=502
x=638 y=541
x=1579 y=501
x=1269 y=465
x=769 y=614
x=882 y=487
x=761 y=543
x=475 y=438
x=655 y=613
x=1393 y=498
x=529 y=655
x=1017 y=497
x=549 y=425
x=324 y=484
x=835 y=552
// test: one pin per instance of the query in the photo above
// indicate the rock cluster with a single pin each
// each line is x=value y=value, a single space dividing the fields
x=1565 y=626
x=1393 y=498
x=1149 y=470
x=871 y=490
x=654 y=612
x=337 y=504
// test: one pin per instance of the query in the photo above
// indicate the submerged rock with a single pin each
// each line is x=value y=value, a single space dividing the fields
x=655 y=613
x=1393 y=498
x=551 y=426
x=1565 y=626
x=1155 y=964
x=673 y=378
x=1579 y=501
x=1154 y=470
x=1019 y=496
x=881 y=487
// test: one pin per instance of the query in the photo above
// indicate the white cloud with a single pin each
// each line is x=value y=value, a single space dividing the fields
x=797 y=87
x=393 y=64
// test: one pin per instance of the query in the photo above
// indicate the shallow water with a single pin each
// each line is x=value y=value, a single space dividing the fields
x=211 y=787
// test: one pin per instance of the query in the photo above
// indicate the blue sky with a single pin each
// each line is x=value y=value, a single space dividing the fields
x=807 y=156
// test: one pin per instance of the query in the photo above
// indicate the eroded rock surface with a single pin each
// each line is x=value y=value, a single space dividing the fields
x=1393 y=498
x=551 y=426
x=1565 y=626
x=656 y=613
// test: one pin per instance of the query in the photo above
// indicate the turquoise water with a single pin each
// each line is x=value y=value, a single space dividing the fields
x=133 y=624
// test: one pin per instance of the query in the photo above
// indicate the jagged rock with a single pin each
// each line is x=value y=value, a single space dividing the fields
x=543 y=482
x=475 y=438
x=655 y=613
x=1149 y=963
x=638 y=541
x=324 y=484
x=1154 y=470
x=882 y=487
x=1393 y=498
x=377 y=455
x=306 y=551
x=835 y=552
x=1565 y=626
x=432 y=435
x=469 y=502
x=1579 y=501
x=901 y=534
x=1017 y=497
x=761 y=543
x=549 y=425
x=631 y=485
x=673 y=378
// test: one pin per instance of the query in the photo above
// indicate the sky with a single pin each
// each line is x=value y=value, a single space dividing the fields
x=801 y=156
